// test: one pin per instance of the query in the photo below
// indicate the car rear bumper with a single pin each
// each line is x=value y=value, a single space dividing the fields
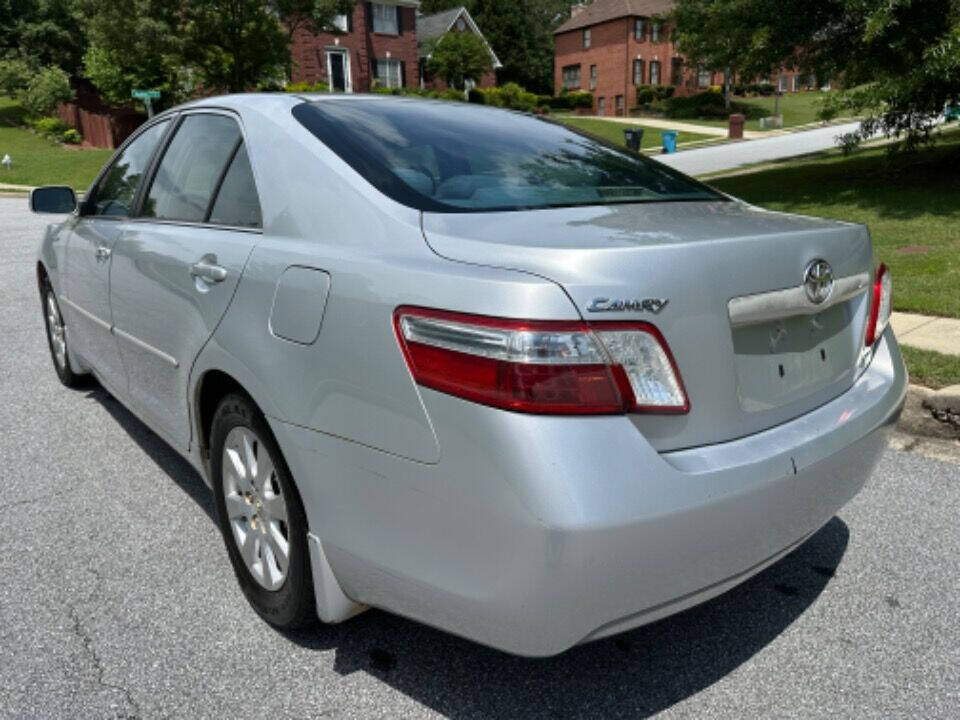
x=533 y=534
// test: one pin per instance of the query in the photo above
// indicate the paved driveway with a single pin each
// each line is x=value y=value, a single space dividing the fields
x=728 y=156
x=117 y=599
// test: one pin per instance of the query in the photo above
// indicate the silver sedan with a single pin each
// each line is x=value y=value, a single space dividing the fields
x=469 y=366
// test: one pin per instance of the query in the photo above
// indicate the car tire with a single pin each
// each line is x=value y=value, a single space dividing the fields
x=57 y=337
x=260 y=515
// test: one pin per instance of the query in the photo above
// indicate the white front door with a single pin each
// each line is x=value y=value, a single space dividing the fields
x=338 y=71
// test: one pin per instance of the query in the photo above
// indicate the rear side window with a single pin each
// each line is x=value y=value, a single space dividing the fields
x=237 y=202
x=117 y=188
x=192 y=168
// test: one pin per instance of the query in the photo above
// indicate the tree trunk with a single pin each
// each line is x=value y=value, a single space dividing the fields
x=726 y=88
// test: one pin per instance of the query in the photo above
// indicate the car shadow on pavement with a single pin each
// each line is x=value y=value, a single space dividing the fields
x=635 y=674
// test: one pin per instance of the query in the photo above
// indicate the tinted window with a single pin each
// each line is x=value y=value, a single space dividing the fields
x=115 y=192
x=237 y=202
x=454 y=157
x=191 y=168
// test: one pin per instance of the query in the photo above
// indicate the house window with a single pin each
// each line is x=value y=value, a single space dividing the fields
x=638 y=30
x=593 y=77
x=638 y=72
x=784 y=83
x=654 y=72
x=340 y=23
x=586 y=38
x=704 y=76
x=676 y=71
x=385 y=19
x=571 y=77
x=389 y=73
x=601 y=106
x=619 y=104
x=655 y=32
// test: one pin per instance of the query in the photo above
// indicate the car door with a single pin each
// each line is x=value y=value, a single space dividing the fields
x=103 y=218
x=177 y=264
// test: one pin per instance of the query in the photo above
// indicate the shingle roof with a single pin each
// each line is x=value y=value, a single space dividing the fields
x=430 y=27
x=600 y=11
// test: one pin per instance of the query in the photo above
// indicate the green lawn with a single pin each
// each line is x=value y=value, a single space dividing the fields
x=799 y=108
x=38 y=161
x=613 y=131
x=931 y=369
x=911 y=203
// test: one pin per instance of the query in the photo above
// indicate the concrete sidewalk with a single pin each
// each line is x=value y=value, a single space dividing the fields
x=941 y=335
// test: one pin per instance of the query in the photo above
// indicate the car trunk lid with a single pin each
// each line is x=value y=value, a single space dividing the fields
x=723 y=282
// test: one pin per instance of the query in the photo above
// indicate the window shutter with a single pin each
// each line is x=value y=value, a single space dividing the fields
x=370 y=16
x=350 y=21
x=399 y=20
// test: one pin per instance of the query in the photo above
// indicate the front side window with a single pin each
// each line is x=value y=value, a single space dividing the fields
x=571 y=77
x=385 y=19
x=192 y=167
x=593 y=77
x=704 y=76
x=389 y=73
x=638 y=29
x=654 y=72
x=619 y=104
x=116 y=190
x=586 y=38
x=638 y=72
x=676 y=71
x=655 y=32
x=601 y=106
x=341 y=23
x=456 y=157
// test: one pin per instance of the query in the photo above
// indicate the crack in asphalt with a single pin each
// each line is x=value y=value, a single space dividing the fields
x=86 y=639
x=31 y=501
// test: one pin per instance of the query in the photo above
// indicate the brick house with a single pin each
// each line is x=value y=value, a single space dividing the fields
x=432 y=27
x=382 y=42
x=611 y=46
x=377 y=41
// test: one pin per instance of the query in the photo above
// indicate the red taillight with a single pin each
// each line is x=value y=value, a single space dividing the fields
x=880 y=306
x=549 y=367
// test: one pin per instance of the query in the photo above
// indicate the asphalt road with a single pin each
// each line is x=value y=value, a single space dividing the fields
x=117 y=598
x=700 y=161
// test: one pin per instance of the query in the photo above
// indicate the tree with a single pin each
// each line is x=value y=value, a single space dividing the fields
x=459 y=56
x=314 y=15
x=897 y=60
x=45 y=90
x=136 y=45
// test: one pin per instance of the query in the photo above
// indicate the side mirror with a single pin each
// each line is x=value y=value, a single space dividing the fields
x=57 y=199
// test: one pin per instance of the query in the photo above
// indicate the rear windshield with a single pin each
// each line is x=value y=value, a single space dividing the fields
x=455 y=157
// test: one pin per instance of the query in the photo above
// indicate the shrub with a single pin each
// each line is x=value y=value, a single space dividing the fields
x=580 y=99
x=14 y=76
x=306 y=87
x=650 y=94
x=50 y=126
x=72 y=137
x=46 y=89
x=451 y=94
x=708 y=105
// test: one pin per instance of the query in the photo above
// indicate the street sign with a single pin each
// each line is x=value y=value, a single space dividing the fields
x=148 y=96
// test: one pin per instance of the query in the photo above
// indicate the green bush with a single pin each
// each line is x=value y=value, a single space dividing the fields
x=50 y=126
x=72 y=137
x=510 y=96
x=46 y=89
x=649 y=94
x=305 y=87
x=451 y=94
x=14 y=77
x=708 y=105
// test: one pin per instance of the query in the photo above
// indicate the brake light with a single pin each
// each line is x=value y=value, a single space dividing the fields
x=880 y=305
x=547 y=367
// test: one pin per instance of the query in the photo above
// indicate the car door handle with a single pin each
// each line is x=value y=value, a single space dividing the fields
x=207 y=269
x=102 y=253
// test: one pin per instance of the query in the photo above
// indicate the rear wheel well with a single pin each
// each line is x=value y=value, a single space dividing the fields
x=42 y=278
x=214 y=386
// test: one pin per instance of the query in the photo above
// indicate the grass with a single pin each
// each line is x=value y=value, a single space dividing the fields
x=613 y=131
x=39 y=161
x=931 y=369
x=908 y=201
x=799 y=108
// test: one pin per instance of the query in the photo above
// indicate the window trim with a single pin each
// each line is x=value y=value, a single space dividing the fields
x=155 y=163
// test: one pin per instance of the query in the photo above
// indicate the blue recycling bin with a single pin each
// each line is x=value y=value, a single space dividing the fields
x=669 y=140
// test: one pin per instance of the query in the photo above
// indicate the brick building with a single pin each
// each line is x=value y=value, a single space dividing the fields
x=378 y=42
x=611 y=46
x=433 y=27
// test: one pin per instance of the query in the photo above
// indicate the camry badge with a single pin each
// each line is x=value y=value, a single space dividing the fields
x=818 y=281
x=651 y=305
